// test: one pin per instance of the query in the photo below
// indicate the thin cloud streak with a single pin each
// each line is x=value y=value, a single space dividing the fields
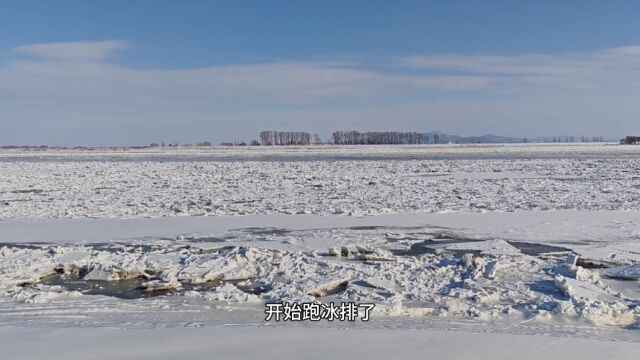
x=573 y=70
x=80 y=50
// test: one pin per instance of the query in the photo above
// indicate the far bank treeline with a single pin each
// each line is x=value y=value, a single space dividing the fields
x=341 y=138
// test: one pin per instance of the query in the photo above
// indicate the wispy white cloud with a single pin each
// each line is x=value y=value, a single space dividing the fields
x=573 y=70
x=80 y=72
x=80 y=50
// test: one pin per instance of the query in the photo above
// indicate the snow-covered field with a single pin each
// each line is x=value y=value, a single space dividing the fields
x=505 y=248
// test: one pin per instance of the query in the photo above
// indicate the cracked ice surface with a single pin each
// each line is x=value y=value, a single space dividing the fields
x=408 y=271
x=124 y=189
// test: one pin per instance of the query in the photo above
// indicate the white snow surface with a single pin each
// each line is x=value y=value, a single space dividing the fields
x=233 y=342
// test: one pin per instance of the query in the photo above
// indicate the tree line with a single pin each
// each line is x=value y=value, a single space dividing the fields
x=630 y=140
x=285 y=138
x=376 y=137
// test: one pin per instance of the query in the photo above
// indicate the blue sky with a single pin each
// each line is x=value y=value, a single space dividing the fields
x=132 y=72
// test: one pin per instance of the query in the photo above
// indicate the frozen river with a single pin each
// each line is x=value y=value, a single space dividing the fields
x=510 y=243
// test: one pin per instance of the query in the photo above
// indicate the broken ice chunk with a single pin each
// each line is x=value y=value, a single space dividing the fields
x=329 y=288
x=335 y=251
x=629 y=272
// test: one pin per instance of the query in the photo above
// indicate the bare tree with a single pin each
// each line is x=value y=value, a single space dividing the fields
x=285 y=138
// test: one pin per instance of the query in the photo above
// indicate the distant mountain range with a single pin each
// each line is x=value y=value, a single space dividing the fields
x=442 y=138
